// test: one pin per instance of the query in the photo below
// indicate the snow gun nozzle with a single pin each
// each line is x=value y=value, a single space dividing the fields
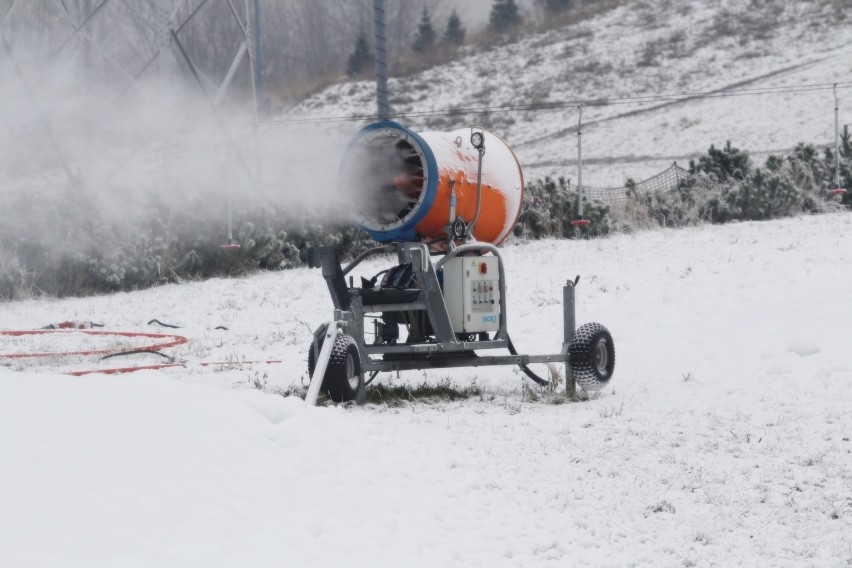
x=409 y=186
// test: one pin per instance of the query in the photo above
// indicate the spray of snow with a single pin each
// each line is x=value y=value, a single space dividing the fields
x=106 y=154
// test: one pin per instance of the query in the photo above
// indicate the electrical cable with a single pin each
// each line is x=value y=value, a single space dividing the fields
x=527 y=371
x=138 y=352
x=372 y=376
x=158 y=322
x=568 y=104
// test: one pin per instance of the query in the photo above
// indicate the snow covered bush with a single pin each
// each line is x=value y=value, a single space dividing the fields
x=57 y=243
x=724 y=186
x=13 y=277
x=549 y=207
x=845 y=164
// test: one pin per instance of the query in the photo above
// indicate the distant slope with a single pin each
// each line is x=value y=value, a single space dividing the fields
x=644 y=48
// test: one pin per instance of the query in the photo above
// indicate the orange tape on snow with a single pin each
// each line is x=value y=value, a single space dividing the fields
x=122 y=370
x=173 y=341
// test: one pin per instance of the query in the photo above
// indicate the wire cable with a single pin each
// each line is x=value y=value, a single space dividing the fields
x=527 y=371
x=569 y=104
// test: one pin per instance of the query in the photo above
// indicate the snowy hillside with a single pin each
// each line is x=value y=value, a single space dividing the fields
x=724 y=440
x=655 y=47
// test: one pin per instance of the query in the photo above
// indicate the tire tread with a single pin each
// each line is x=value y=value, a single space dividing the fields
x=335 y=383
x=582 y=351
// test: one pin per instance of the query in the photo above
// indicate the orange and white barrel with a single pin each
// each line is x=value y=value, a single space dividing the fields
x=408 y=184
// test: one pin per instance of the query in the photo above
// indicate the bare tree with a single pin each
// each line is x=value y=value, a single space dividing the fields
x=304 y=42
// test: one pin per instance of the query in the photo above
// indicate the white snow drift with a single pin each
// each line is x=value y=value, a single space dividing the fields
x=723 y=440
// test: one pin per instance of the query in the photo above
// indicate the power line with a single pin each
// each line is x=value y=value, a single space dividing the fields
x=563 y=105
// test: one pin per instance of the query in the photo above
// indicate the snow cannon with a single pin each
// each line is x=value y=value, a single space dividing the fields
x=433 y=186
x=442 y=202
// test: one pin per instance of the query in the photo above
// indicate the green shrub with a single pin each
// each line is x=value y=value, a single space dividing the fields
x=549 y=207
x=725 y=186
x=504 y=16
x=73 y=254
x=13 y=276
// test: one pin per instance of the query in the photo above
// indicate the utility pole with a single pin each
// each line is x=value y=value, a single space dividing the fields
x=258 y=58
x=836 y=139
x=87 y=49
x=580 y=164
x=579 y=221
x=381 y=59
x=163 y=29
x=836 y=190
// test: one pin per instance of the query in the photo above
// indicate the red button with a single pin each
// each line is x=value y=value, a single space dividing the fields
x=483 y=268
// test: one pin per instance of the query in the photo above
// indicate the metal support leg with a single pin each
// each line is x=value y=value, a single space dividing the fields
x=322 y=363
x=569 y=325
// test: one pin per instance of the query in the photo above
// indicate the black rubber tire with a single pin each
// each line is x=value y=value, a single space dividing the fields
x=342 y=379
x=592 y=354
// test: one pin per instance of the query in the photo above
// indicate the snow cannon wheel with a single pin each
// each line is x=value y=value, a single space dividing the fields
x=592 y=354
x=342 y=381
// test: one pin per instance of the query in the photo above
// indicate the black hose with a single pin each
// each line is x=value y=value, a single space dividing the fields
x=158 y=322
x=372 y=376
x=138 y=352
x=527 y=371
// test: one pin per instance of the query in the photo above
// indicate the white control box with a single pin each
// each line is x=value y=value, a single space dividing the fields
x=472 y=293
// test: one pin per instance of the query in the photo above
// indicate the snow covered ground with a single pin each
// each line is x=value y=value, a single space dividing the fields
x=724 y=439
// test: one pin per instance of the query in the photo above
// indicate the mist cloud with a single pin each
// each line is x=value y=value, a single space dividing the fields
x=83 y=154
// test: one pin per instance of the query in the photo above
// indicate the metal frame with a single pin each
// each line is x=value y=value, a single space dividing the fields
x=167 y=29
x=447 y=349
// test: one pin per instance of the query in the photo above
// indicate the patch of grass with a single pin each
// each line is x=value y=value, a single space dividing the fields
x=580 y=396
x=443 y=391
x=661 y=507
x=529 y=393
x=293 y=390
x=553 y=394
x=258 y=381
x=612 y=411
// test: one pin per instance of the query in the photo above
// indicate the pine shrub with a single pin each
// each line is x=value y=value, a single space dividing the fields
x=845 y=165
x=554 y=7
x=425 y=38
x=361 y=59
x=13 y=276
x=725 y=186
x=504 y=16
x=455 y=32
x=549 y=208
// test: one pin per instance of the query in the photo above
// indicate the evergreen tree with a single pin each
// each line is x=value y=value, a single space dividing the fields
x=455 y=31
x=724 y=164
x=425 y=39
x=361 y=58
x=556 y=6
x=504 y=16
